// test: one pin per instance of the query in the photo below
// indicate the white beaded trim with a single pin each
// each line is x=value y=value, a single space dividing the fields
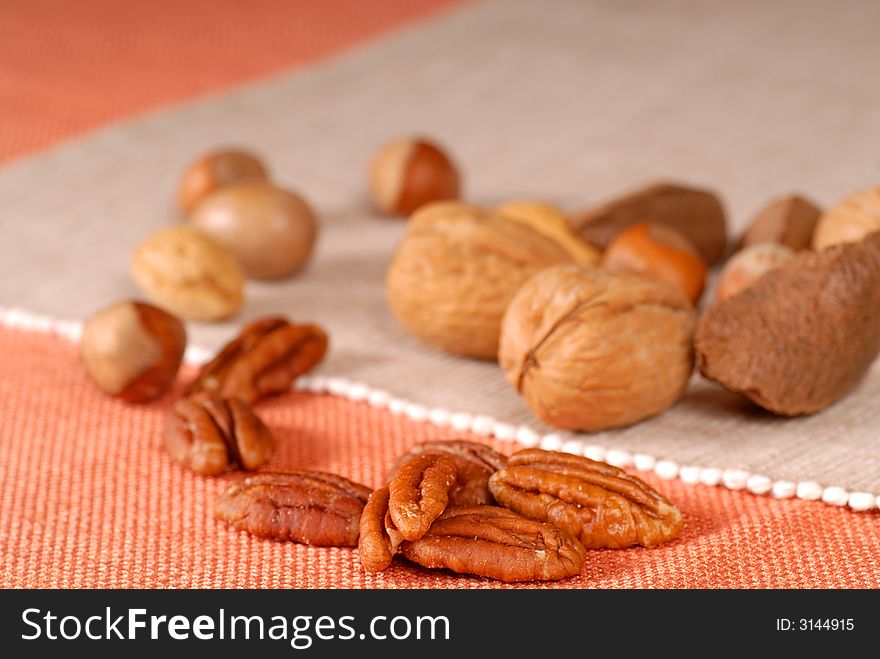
x=480 y=424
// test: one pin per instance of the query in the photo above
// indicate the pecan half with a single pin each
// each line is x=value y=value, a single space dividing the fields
x=310 y=507
x=211 y=435
x=498 y=543
x=263 y=360
x=601 y=505
x=419 y=492
x=474 y=463
x=379 y=538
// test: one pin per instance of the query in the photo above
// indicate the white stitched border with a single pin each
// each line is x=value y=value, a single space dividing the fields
x=481 y=424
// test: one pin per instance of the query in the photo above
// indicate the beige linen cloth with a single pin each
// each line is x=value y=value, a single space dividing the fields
x=568 y=101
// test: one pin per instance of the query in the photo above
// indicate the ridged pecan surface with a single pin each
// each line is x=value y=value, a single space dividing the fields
x=310 y=507
x=599 y=504
x=263 y=360
x=211 y=435
x=474 y=464
x=419 y=492
x=497 y=543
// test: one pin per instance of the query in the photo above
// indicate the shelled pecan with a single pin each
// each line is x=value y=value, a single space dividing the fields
x=379 y=538
x=310 y=507
x=601 y=505
x=498 y=543
x=211 y=435
x=263 y=360
x=419 y=492
x=474 y=463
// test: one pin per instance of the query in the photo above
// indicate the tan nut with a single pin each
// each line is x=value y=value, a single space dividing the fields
x=271 y=231
x=849 y=221
x=188 y=273
x=589 y=349
x=455 y=271
x=550 y=221
x=133 y=350
x=408 y=173
x=748 y=266
x=788 y=221
x=659 y=251
x=214 y=171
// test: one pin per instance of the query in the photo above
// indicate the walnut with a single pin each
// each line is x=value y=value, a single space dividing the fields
x=590 y=349
x=456 y=270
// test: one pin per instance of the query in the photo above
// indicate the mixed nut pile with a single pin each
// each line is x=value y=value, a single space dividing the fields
x=593 y=319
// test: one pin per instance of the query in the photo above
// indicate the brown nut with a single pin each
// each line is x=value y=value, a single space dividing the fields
x=263 y=360
x=600 y=505
x=849 y=221
x=214 y=171
x=659 y=251
x=748 y=266
x=788 y=221
x=499 y=544
x=132 y=350
x=419 y=492
x=696 y=214
x=590 y=349
x=803 y=336
x=212 y=435
x=550 y=221
x=474 y=463
x=271 y=231
x=409 y=173
x=456 y=270
x=379 y=539
x=188 y=273
x=309 y=507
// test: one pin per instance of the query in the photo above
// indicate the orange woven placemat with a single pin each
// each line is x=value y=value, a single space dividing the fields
x=90 y=499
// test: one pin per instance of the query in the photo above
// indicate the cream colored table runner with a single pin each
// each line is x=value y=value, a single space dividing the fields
x=567 y=101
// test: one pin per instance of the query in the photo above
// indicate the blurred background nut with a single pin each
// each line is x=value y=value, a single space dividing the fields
x=133 y=350
x=271 y=231
x=456 y=269
x=590 y=349
x=217 y=170
x=748 y=266
x=659 y=251
x=850 y=220
x=188 y=273
x=410 y=172
x=696 y=214
x=788 y=221
x=550 y=221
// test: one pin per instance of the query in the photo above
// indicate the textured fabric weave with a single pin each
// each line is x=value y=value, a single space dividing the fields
x=91 y=499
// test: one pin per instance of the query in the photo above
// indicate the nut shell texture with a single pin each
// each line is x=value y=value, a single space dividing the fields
x=271 y=231
x=850 y=220
x=408 y=173
x=456 y=270
x=215 y=171
x=803 y=335
x=188 y=273
x=588 y=349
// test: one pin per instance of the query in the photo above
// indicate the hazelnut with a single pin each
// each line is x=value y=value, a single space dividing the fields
x=188 y=273
x=132 y=350
x=657 y=250
x=217 y=170
x=590 y=349
x=271 y=231
x=748 y=266
x=456 y=269
x=788 y=221
x=408 y=173
x=696 y=214
x=549 y=220
x=849 y=221
x=803 y=336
